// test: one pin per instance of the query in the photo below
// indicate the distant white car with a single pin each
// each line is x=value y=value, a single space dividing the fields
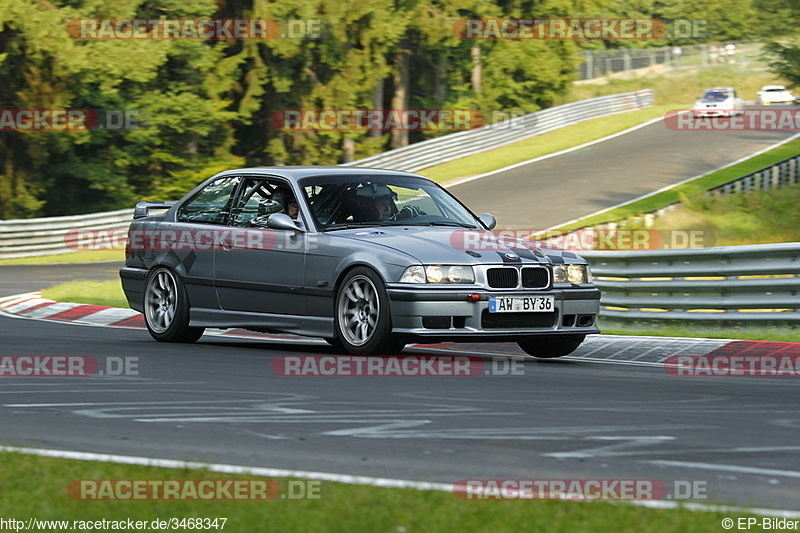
x=718 y=102
x=774 y=94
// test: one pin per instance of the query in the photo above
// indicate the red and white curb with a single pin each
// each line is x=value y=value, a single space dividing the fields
x=613 y=349
x=32 y=305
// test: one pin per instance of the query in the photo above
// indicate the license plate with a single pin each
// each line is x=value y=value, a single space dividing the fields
x=522 y=304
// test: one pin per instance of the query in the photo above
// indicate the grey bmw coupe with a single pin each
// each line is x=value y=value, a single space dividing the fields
x=368 y=259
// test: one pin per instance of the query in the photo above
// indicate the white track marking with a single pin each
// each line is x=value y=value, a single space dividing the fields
x=668 y=187
x=729 y=468
x=350 y=479
x=453 y=183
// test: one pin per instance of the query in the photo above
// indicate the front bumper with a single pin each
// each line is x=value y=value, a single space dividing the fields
x=712 y=112
x=439 y=315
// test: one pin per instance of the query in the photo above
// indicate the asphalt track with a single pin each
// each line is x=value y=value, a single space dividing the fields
x=220 y=401
x=16 y=279
x=591 y=416
x=552 y=191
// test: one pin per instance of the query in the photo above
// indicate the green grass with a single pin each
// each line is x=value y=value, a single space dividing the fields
x=682 y=85
x=674 y=89
x=654 y=328
x=689 y=189
x=757 y=217
x=549 y=143
x=88 y=292
x=93 y=256
x=33 y=486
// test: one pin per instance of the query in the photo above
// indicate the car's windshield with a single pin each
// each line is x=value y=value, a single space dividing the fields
x=371 y=200
x=715 y=96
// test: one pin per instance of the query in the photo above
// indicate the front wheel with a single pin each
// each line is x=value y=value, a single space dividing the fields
x=551 y=346
x=166 y=308
x=362 y=317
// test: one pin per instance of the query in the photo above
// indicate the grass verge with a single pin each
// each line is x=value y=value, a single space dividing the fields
x=88 y=292
x=92 y=256
x=654 y=329
x=756 y=217
x=684 y=85
x=32 y=486
x=689 y=189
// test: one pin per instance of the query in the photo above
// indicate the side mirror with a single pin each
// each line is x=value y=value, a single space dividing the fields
x=283 y=221
x=488 y=220
x=146 y=209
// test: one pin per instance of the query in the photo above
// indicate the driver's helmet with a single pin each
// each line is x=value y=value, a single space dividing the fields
x=268 y=206
x=376 y=202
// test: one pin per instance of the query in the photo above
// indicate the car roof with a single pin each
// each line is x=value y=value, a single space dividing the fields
x=778 y=87
x=294 y=173
x=719 y=89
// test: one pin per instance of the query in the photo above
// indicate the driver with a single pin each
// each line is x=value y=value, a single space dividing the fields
x=376 y=202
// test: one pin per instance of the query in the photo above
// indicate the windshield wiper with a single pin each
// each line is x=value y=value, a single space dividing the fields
x=450 y=223
x=350 y=225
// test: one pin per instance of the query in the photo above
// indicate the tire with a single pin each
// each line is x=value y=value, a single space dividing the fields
x=166 y=308
x=362 y=318
x=551 y=346
x=335 y=343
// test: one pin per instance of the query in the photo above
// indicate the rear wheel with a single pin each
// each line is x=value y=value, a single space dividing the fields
x=362 y=317
x=551 y=346
x=166 y=308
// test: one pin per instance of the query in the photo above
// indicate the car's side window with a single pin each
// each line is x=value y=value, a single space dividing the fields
x=258 y=199
x=212 y=204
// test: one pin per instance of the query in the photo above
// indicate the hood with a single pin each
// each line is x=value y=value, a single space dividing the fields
x=440 y=245
x=715 y=103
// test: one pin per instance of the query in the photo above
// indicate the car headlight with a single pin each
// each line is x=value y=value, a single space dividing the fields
x=572 y=274
x=438 y=274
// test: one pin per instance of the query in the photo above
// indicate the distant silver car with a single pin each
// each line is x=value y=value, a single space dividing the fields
x=774 y=94
x=718 y=102
x=367 y=259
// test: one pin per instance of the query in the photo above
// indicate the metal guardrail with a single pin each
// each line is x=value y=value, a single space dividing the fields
x=55 y=235
x=456 y=145
x=728 y=283
x=47 y=236
x=787 y=172
x=600 y=63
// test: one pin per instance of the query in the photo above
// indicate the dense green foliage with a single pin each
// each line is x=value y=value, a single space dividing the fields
x=206 y=105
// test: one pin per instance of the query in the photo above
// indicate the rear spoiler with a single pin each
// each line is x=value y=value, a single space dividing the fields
x=146 y=209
